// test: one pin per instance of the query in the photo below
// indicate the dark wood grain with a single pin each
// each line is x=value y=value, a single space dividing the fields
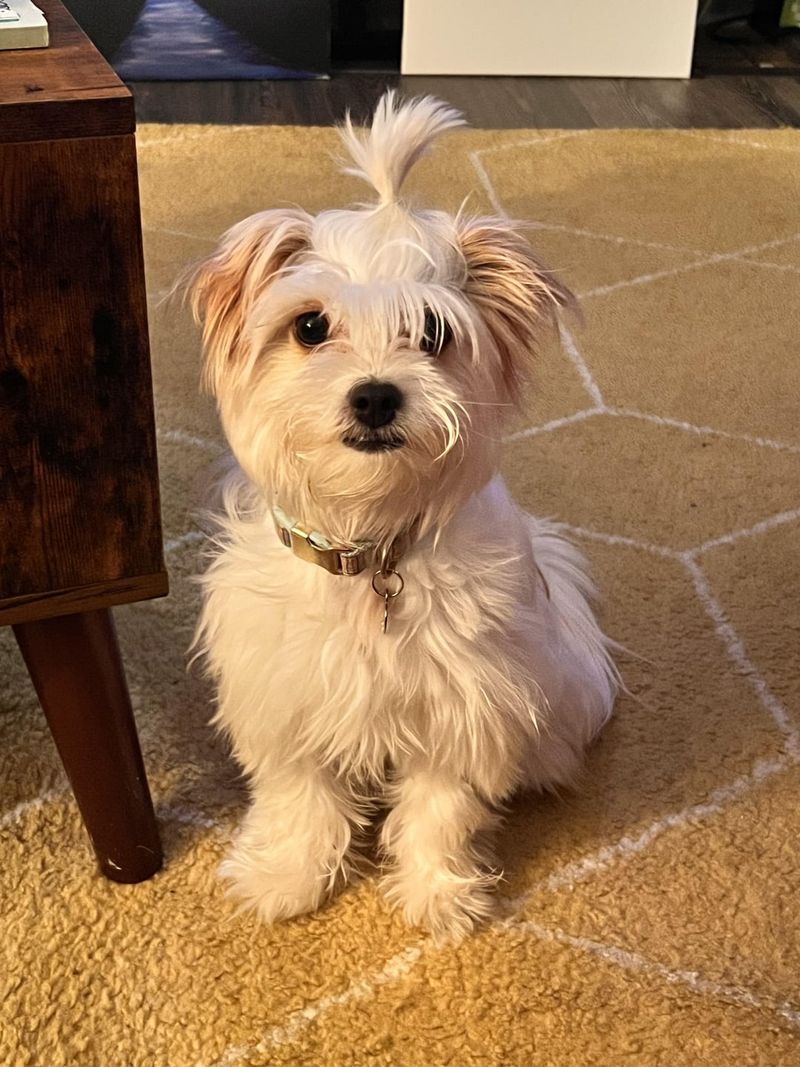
x=733 y=103
x=506 y=102
x=617 y=103
x=491 y=102
x=80 y=525
x=787 y=91
x=204 y=101
x=775 y=98
x=75 y=666
x=65 y=90
x=498 y=103
x=79 y=501
x=106 y=594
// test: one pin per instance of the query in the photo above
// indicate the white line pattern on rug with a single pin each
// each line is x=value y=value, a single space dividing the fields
x=394 y=969
x=613 y=238
x=166 y=812
x=656 y=420
x=402 y=964
x=529 y=142
x=737 y=652
x=604 y=857
x=475 y=158
x=17 y=814
x=710 y=431
x=200 y=133
x=771 y=266
x=181 y=437
x=554 y=424
x=190 y=817
x=686 y=555
x=644 y=416
x=480 y=170
x=633 y=961
x=191 y=537
x=178 y=233
x=711 y=260
x=621 y=541
x=781 y=519
x=702 y=136
x=579 y=363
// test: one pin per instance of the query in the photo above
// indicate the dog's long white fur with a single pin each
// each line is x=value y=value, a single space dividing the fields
x=494 y=674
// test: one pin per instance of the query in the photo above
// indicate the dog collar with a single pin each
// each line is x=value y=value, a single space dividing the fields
x=314 y=547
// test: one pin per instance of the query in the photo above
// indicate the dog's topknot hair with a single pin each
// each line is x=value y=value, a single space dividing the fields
x=399 y=135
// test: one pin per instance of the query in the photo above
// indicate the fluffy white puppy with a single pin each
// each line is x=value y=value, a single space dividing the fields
x=383 y=623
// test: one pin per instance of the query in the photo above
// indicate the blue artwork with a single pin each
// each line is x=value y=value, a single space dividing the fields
x=210 y=39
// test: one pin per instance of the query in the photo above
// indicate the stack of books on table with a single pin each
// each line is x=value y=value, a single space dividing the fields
x=22 y=25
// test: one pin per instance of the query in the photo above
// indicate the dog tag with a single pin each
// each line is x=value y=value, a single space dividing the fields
x=387 y=585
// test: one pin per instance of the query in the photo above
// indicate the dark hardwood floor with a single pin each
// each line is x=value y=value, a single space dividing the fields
x=741 y=79
x=716 y=100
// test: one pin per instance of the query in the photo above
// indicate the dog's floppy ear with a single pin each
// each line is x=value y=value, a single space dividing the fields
x=517 y=296
x=224 y=287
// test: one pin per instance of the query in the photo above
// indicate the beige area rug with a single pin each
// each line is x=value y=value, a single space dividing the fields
x=656 y=916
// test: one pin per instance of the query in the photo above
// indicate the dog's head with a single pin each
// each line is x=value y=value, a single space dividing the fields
x=364 y=360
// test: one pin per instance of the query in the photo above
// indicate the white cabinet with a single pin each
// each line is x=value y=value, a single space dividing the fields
x=594 y=38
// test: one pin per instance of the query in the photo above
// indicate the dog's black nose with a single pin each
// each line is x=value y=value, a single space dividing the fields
x=375 y=403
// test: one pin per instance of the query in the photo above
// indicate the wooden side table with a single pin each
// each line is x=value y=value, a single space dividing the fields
x=80 y=527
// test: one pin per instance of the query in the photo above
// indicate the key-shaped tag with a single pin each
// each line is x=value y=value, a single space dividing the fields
x=387 y=585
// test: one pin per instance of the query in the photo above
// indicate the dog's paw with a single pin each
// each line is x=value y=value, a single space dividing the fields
x=271 y=893
x=450 y=905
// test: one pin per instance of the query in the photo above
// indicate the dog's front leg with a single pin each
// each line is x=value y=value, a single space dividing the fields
x=440 y=878
x=291 y=850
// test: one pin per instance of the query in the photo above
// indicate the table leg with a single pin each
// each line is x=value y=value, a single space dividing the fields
x=75 y=665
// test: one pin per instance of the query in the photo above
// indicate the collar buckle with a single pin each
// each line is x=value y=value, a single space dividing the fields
x=313 y=547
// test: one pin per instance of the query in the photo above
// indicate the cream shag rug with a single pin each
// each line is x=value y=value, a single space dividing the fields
x=656 y=916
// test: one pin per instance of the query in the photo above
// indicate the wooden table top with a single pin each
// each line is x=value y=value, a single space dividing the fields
x=65 y=90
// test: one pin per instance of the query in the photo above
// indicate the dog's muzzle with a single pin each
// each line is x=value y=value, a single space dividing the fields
x=373 y=442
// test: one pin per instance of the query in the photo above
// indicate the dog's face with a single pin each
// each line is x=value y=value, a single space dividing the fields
x=364 y=360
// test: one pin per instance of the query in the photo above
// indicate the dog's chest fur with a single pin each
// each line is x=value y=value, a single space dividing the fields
x=324 y=677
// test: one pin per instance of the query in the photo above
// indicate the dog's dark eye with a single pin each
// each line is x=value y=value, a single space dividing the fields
x=311 y=328
x=437 y=335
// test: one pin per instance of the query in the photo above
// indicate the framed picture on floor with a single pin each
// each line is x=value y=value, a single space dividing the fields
x=175 y=40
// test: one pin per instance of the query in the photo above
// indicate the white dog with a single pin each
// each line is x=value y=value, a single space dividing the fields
x=382 y=621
